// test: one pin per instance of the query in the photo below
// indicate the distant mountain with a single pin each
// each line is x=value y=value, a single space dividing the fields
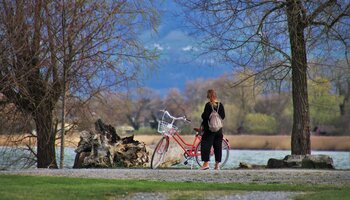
x=178 y=61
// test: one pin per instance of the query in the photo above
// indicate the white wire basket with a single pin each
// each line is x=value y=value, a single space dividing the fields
x=166 y=127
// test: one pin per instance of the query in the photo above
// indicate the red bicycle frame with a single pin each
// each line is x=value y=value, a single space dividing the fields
x=189 y=149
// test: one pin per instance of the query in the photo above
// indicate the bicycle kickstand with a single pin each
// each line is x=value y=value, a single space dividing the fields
x=189 y=159
x=192 y=160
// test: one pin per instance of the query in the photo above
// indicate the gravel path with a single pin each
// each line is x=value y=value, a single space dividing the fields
x=255 y=195
x=285 y=176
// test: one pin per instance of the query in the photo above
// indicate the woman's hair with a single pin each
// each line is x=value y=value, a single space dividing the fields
x=211 y=95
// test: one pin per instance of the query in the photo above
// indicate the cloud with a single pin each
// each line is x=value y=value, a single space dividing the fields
x=176 y=35
x=189 y=48
x=158 y=46
x=176 y=39
x=207 y=61
x=168 y=40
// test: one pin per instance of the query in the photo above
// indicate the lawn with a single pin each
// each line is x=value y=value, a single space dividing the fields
x=39 y=187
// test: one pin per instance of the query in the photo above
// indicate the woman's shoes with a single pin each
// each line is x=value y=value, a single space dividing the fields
x=204 y=168
x=217 y=166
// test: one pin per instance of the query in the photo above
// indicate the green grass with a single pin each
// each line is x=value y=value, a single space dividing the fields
x=38 y=187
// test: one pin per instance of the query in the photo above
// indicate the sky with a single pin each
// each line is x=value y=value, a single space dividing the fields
x=178 y=62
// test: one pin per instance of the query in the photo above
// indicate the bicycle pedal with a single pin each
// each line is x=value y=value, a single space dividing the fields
x=186 y=162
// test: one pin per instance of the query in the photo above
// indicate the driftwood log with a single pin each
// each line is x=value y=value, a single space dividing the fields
x=104 y=148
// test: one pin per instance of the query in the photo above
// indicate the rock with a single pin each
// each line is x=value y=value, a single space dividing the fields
x=293 y=161
x=275 y=163
x=317 y=162
x=302 y=161
x=243 y=165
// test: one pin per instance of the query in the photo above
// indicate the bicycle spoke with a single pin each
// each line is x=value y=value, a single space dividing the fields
x=159 y=152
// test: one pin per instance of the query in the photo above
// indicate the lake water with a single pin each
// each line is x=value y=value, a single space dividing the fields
x=341 y=159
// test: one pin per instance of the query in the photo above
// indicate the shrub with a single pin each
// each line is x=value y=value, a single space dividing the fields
x=145 y=131
x=258 y=123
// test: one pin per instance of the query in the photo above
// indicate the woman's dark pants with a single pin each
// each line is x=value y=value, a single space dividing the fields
x=210 y=139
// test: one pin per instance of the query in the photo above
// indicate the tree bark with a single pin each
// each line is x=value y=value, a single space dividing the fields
x=45 y=137
x=346 y=94
x=300 y=142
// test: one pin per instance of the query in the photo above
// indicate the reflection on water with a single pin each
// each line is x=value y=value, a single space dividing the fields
x=341 y=159
x=11 y=158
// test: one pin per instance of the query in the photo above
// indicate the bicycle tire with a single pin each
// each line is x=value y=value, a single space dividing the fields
x=159 y=152
x=225 y=154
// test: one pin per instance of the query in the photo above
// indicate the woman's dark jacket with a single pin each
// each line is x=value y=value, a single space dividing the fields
x=207 y=111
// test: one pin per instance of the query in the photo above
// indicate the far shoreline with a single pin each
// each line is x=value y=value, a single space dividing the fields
x=237 y=142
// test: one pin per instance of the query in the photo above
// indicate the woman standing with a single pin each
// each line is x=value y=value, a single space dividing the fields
x=210 y=138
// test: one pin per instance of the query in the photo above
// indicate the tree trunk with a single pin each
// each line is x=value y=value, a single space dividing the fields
x=300 y=141
x=346 y=94
x=45 y=137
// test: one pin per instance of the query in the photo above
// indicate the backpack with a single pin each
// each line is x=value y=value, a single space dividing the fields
x=215 y=121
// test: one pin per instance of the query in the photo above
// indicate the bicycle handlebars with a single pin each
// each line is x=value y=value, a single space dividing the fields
x=176 y=118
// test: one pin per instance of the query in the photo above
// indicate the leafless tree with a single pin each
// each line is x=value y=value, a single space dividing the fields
x=94 y=41
x=195 y=92
x=274 y=37
x=176 y=104
x=142 y=106
x=341 y=77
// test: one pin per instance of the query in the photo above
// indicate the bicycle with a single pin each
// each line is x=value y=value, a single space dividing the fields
x=191 y=151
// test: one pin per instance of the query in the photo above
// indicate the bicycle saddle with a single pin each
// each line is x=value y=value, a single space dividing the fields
x=197 y=129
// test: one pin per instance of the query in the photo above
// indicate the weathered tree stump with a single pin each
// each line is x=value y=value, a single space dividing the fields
x=104 y=148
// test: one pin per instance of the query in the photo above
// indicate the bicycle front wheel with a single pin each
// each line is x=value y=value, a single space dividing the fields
x=225 y=154
x=159 y=152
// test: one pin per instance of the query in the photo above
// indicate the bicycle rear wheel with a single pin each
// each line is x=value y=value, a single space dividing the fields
x=159 y=152
x=224 y=158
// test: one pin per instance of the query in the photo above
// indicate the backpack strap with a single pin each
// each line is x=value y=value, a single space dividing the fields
x=212 y=107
